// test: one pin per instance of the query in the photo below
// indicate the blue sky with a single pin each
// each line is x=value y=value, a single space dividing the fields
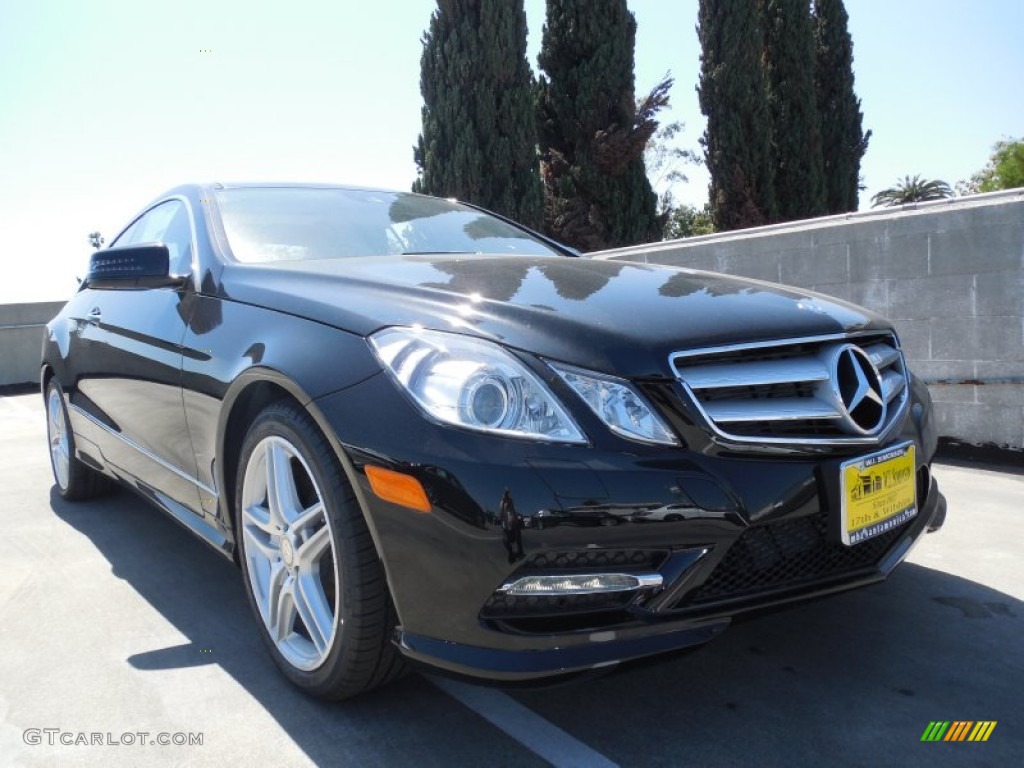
x=104 y=104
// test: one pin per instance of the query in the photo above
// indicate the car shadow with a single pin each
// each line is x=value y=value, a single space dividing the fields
x=201 y=594
x=854 y=679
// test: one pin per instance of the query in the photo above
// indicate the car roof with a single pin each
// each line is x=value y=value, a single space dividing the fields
x=198 y=189
x=298 y=185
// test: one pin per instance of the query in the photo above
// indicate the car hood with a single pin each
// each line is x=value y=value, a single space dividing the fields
x=613 y=316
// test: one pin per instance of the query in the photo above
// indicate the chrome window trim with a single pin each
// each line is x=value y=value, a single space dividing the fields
x=211 y=493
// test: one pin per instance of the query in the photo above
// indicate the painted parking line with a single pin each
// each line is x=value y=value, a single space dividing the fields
x=524 y=725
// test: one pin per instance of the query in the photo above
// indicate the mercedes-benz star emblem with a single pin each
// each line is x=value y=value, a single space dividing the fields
x=859 y=386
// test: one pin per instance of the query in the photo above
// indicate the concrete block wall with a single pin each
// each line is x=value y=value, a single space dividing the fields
x=21 y=340
x=950 y=274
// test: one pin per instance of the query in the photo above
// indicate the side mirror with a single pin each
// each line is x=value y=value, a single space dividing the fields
x=145 y=265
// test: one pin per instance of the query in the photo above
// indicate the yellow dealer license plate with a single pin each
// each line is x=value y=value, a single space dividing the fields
x=879 y=492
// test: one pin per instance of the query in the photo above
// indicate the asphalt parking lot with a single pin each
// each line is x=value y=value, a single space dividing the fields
x=115 y=621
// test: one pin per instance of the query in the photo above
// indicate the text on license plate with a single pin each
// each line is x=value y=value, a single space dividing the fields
x=879 y=493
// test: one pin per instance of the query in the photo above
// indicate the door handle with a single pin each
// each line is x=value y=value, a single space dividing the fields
x=95 y=316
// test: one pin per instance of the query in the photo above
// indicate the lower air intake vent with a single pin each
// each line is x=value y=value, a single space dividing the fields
x=787 y=553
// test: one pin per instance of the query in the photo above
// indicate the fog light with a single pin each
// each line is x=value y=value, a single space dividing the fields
x=578 y=584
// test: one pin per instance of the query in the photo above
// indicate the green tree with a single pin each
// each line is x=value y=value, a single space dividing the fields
x=479 y=131
x=792 y=98
x=1005 y=169
x=665 y=161
x=912 y=190
x=843 y=140
x=689 y=221
x=734 y=97
x=592 y=131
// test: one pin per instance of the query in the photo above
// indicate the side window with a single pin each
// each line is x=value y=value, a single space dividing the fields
x=178 y=237
x=167 y=223
x=128 y=236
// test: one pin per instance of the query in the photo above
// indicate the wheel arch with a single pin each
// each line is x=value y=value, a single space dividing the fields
x=46 y=373
x=249 y=394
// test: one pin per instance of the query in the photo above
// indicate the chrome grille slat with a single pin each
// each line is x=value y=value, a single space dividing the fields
x=798 y=391
x=758 y=373
x=778 y=409
x=882 y=355
x=892 y=384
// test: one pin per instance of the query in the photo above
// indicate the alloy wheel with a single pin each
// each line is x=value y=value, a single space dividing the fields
x=290 y=556
x=57 y=432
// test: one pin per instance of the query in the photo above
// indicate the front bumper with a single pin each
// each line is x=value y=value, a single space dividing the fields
x=607 y=648
x=728 y=531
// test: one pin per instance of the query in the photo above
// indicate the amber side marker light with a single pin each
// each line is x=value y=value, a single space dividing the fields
x=398 y=488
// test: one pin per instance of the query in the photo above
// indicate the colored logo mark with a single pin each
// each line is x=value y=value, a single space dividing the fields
x=959 y=730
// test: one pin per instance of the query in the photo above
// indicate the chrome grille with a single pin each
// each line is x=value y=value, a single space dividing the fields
x=830 y=389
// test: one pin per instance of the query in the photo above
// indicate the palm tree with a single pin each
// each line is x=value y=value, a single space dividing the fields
x=912 y=190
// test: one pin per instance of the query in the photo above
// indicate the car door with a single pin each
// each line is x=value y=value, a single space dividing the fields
x=127 y=360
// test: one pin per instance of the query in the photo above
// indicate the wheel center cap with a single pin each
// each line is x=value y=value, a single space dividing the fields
x=287 y=551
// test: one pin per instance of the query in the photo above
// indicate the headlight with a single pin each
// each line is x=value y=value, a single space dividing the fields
x=618 y=405
x=473 y=383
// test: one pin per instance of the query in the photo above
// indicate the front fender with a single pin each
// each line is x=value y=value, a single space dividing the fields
x=236 y=359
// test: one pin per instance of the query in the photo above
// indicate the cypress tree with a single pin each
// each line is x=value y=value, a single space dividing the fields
x=734 y=97
x=479 y=139
x=592 y=132
x=843 y=139
x=789 y=58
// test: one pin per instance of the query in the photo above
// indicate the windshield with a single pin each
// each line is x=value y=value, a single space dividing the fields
x=289 y=223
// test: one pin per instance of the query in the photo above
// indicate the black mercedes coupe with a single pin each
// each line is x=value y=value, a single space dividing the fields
x=427 y=433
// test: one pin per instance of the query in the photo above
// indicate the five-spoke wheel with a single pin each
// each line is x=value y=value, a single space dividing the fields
x=312 y=574
x=58 y=433
x=289 y=554
x=74 y=480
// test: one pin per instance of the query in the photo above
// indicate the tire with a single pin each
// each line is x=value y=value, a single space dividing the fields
x=312 y=574
x=74 y=480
